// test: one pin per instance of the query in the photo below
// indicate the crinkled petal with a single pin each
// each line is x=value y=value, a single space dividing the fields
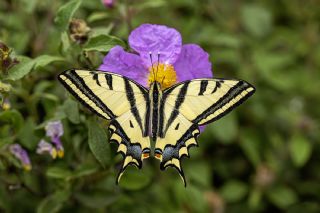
x=126 y=64
x=192 y=63
x=151 y=38
x=45 y=147
x=57 y=142
x=54 y=129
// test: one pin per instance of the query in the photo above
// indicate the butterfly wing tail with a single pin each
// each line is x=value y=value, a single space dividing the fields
x=133 y=153
x=171 y=155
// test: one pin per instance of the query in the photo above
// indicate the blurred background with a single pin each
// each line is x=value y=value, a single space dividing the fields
x=262 y=157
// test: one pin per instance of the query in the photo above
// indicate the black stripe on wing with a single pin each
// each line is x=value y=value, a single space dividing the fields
x=236 y=90
x=132 y=100
x=78 y=82
x=178 y=103
x=203 y=87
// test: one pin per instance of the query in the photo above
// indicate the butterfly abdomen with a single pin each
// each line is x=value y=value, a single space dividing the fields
x=155 y=95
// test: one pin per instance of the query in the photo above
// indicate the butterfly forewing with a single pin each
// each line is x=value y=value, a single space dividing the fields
x=120 y=100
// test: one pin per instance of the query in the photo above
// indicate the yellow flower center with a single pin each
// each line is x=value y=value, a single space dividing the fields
x=162 y=73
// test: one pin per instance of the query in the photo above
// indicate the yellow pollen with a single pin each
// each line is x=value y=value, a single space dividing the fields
x=60 y=153
x=54 y=153
x=162 y=73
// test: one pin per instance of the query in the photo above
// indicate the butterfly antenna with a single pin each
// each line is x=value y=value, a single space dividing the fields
x=150 y=55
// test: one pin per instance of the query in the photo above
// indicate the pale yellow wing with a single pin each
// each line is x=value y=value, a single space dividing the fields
x=120 y=100
x=188 y=105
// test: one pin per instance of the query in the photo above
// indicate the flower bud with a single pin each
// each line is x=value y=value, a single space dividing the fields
x=78 y=31
x=6 y=61
x=108 y=3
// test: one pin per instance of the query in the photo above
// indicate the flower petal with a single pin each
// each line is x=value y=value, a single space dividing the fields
x=126 y=64
x=156 y=39
x=192 y=63
x=21 y=154
x=45 y=147
x=54 y=129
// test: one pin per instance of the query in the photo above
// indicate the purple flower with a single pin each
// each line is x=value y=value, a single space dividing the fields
x=54 y=130
x=108 y=3
x=158 y=49
x=45 y=147
x=22 y=155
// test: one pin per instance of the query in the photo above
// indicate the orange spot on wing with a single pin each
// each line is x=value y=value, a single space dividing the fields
x=157 y=155
x=145 y=155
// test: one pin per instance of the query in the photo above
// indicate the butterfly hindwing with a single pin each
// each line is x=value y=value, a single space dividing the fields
x=188 y=105
x=120 y=100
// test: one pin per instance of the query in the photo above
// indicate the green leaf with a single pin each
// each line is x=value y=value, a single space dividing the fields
x=134 y=179
x=191 y=196
x=103 y=43
x=53 y=203
x=300 y=149
x=151 y=4
x=66 y=174
x=71 y=109
x=101 y=30
x=58 y=172
x=84 y=170
x=98 y=16
x=96 y=200
x=254 y=199
x=273 y=67
x=27 y=136
x=282 y=196
x=98 y=143
x=226 y=40
x=44 y=60
x=20 y=70
x=199 y=172
x=251 y=146
x=234 y=191
x=11 y=117
x=29 y=5
x=65 y=42
x=257 y=20
x=226 y=129
x=65 y=13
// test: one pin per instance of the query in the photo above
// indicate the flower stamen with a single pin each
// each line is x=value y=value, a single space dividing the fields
x=165 y=75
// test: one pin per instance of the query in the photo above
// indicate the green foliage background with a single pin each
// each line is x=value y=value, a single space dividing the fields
x=263 y=157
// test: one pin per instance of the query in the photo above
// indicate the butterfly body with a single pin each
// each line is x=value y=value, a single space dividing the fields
x=155 y=96
x=169 y=117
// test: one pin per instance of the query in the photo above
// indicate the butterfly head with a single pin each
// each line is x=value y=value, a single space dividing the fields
x=163 y=73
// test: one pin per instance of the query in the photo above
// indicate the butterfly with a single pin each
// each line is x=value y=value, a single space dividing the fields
x=169 y=117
